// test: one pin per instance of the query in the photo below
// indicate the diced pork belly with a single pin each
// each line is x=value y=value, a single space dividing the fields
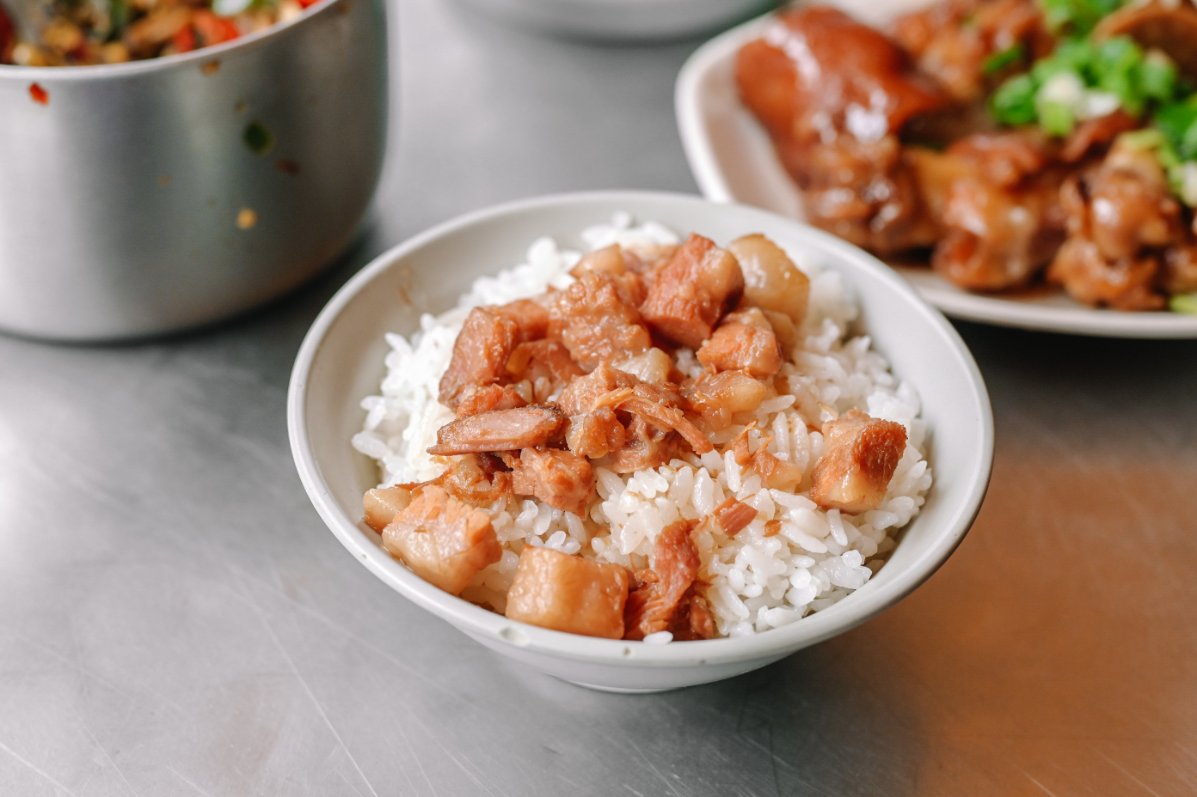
x=444 y=541
x=568 y=593
x=619 y=261
x=691 y=291
x=649 y=403
x=596 y=318
x=488 y=337
x=595 y=434
x=543 y=362
x=653 y=365
x=743 y=342
x=860 y=455
x=608 y=260
x=645 y=446
x=479 y=479
x=474 y=400
x=771 y=280
x=718 y=397
x=584 y=393
x=480 y=353
x=655 y=600
x=559 y=478
x=500 y=430
x=775 y=473
x=382 y=504
x=530 y=316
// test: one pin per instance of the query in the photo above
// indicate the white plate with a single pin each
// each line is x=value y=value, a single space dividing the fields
x=623 y=19
x=733 y=160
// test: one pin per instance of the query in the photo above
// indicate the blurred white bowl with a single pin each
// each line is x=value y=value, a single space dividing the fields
x=341 y=360
x=628 y=20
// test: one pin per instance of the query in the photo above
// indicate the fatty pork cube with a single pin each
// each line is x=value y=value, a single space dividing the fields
x=691 y=291
x=719 y=396
x=595 y=434
x=771 y=280
x=596 y=318
x=743 y=342
x=382 y=504
x=559 y=478
x=488 y=337
x=480 y=353
x=568 y=593
x=444 y=541
x=859 y=458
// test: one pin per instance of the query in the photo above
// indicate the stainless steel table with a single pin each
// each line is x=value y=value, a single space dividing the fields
x=175 y=619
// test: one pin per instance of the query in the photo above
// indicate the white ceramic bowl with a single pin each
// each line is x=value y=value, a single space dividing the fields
x=341 y=360
x=628 y=20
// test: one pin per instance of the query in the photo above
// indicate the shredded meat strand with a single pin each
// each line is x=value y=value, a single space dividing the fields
x=734 y=516
x=656 y=596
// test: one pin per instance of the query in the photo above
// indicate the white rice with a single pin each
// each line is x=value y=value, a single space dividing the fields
x=756 y=582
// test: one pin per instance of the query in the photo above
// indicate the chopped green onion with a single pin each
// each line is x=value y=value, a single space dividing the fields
x=1078 y=16
x=1014 y=101
x=1183 y=303
x=1056 y=118
x=1145 y=139
x=1183 y=177
x=1158 y=76
x=1091 y=79
x=1178 y=122
x=1120 y=53
x=1003 y=58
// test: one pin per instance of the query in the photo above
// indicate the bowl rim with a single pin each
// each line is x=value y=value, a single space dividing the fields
x=493 y=627
x=98 y=72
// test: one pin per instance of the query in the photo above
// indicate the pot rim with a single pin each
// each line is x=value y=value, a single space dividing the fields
x=97 y=72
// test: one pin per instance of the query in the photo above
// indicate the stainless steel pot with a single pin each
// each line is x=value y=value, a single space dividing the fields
x=146 y=197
